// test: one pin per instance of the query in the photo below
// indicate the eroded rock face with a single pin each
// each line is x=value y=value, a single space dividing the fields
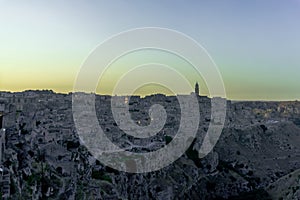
x=257 y=156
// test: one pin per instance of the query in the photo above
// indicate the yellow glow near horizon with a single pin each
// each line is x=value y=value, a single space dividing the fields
x=44 y=43
x=129 y=62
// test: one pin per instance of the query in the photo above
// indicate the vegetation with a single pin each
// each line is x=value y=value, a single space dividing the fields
x=101 y=176
x=193 y=155
x=168 y=139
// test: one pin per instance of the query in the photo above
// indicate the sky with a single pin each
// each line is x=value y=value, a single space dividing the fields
x=255 y=44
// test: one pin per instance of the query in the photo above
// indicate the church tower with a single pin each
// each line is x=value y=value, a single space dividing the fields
x=197 y=88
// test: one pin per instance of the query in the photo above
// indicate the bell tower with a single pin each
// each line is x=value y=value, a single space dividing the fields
x=197 y=88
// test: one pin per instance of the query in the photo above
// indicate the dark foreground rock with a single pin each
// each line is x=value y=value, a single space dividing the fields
x=256 y=157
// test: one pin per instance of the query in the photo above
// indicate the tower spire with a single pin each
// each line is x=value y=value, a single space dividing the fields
x=197 y=88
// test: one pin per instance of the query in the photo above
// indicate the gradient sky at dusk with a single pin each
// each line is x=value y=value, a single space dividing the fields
x=255 y=44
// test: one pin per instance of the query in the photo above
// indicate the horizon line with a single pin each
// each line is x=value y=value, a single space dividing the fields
x=143 y=96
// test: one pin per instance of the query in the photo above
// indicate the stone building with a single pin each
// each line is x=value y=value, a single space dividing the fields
x=4 y=174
